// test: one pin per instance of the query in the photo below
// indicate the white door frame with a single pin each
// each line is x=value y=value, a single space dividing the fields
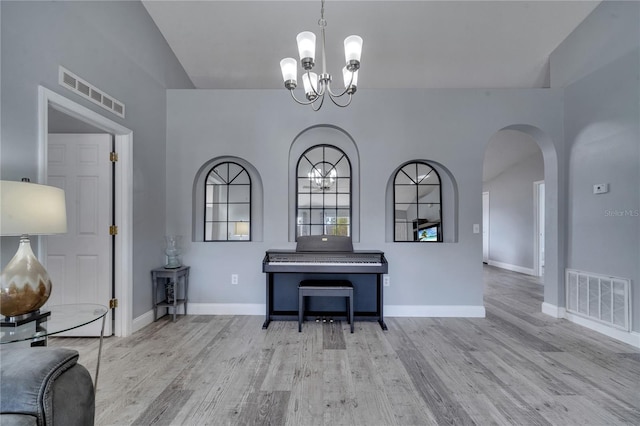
x=123 y=275
x=485 y=230
x=537 y=266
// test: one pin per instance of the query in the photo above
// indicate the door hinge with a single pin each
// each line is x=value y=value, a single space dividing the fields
x=113 y=303
x=113 y=230
x=113 y=157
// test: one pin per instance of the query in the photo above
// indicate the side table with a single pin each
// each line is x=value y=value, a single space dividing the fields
x=57 y=319
x=179 y=277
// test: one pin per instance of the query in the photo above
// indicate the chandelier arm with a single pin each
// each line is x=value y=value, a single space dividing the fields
x=333 y=95
x=300 y=102
x=319 y=106
x=346 y=89
x=341 y=105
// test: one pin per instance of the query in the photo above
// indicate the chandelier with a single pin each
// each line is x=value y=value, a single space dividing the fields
x=322 y=181
x=317 y=86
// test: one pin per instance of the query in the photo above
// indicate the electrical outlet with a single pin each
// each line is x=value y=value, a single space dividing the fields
x=386 y=281
x=234 y=278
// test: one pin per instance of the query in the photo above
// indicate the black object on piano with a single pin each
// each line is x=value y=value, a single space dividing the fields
x=324 y=243
x=323 y=254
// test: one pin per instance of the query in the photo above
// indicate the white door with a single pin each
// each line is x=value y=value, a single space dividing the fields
x=79 y=262
x=485 y=227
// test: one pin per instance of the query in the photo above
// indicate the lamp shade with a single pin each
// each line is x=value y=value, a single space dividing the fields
x=31 y=209
x=350 y=78
x=242 y=228
x=310 y=82
x=352 y=48
x=289 y=68
x=306 y=45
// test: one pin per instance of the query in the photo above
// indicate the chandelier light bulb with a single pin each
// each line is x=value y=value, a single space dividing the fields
x=310 y=82
x=353 y=51
x=307 y=49
x=289 y=68
x=350 y=80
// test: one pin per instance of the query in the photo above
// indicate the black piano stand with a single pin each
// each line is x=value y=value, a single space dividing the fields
x=293 y=315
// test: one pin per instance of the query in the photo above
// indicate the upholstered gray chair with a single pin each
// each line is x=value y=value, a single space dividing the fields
x=44 y=386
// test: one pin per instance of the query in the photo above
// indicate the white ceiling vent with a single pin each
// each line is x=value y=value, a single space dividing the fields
x=72 y=82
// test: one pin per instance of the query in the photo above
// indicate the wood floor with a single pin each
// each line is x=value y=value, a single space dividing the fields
x=517 y=366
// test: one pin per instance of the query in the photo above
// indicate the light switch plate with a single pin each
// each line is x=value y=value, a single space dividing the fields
x=476 y=228
x=600 y=188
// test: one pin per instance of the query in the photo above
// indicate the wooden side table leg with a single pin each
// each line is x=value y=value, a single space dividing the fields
x=175 y=295
x=186 y=291
x=154 y=296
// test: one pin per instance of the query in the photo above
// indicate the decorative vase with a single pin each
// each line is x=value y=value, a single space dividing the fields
x=24 y=284
x=173 y=250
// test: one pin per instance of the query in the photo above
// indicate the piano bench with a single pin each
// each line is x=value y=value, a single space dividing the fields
x=329 y=288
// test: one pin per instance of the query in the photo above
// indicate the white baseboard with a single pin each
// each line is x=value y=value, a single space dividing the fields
x=142 y=321
x=629 y=337
x=226 y=309
x=514 y=268
x=460 y=311
x=553 y=310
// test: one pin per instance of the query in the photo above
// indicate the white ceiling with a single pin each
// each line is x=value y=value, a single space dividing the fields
x=407 y=44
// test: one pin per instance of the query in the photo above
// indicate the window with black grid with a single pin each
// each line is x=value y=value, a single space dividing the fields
x=417 y=201
x=323 y=191
x=227 y=203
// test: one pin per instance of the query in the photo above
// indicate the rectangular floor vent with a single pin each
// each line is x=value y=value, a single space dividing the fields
x=598 y=297
x=88 y=91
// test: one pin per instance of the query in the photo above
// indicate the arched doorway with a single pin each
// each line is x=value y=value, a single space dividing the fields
x=523 y=162
x=512 y=164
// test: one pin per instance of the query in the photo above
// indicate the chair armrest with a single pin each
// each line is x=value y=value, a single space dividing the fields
x=46 y=383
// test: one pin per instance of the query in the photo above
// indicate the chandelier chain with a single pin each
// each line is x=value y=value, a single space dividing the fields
x=322 y=22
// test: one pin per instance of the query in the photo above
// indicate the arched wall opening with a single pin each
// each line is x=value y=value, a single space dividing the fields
x=449 y=202
x=512 y=185
x=198 y=201
x=554 y=218
x=325 y=134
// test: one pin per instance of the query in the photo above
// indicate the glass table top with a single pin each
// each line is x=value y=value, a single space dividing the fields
x=62 y=318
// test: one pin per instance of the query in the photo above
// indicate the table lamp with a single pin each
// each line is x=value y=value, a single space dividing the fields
x=241 y=229
x=28 y=209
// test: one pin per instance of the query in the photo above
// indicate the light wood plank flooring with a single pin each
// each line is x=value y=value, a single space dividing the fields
x=517 y=366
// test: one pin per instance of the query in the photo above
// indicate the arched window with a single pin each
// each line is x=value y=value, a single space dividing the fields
x=227 y=215
x=417 y=203
x=323 y=192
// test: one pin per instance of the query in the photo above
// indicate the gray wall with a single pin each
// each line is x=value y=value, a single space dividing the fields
x=123 y=54
x=600 y=65
x=389 y=127
x=117 y=47
x=59 y=122
x=511 y=212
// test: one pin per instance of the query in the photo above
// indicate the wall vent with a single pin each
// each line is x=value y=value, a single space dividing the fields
x=72 y=82
x=598 y=297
